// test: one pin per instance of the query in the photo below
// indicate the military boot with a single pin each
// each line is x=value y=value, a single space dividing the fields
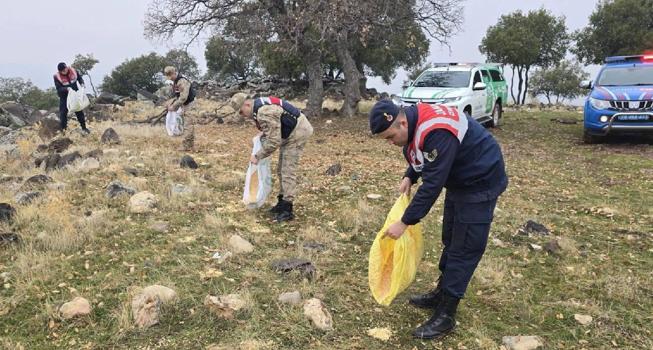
x=285 y=212
x=430 y=300
x=277 y=207
x=442 y=322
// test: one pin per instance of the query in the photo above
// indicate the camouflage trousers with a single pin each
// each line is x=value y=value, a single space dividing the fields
x=290 y=151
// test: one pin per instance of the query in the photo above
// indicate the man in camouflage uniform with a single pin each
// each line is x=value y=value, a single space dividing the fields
x=284 y=127
x=184 y=95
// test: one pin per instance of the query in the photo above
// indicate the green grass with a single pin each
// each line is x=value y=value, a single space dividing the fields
x=555 y=180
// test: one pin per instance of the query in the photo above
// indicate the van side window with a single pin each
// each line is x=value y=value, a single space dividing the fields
x=496 y=75
x=477 y=78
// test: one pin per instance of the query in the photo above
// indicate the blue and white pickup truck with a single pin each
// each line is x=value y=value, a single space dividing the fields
x=621 y=98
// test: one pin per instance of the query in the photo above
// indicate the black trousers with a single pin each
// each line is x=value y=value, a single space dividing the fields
x=63 y=115
x=465 y=230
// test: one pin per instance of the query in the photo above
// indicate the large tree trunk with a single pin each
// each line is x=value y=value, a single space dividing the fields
x=352 y=76
x=512 y=85
x=521 y=80
x=313 y=62
x=525 y=85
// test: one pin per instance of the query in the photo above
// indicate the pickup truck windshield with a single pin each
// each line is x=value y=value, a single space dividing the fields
x=444 y=79
x=624 y=76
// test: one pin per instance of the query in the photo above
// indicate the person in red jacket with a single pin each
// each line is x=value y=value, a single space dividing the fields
x=67 y=78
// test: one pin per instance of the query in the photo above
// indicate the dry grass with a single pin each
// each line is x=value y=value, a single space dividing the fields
x=78 y=242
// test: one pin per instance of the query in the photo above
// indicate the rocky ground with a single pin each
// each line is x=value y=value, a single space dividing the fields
x=108 y=242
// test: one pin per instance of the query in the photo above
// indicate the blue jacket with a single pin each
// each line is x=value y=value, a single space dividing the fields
x=472 y=171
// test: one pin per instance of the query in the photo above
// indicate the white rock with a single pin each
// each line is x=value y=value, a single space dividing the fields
x=77 y=307
x=224 y=306
x=142 y=202
x=146 y=310
x=165 y=294
x=159 y=226
x=317 y=312
x=111 y=152
x=89 y=164
x=181 y=190
x=522 y=342
x=374 y=196
x=240 y=245
x=583 y=319
x=292 y=298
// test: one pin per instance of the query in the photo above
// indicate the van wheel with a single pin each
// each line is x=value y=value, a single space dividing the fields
x=590 y=138
x=497 y=114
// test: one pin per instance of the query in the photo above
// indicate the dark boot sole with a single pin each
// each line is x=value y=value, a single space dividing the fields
x=434 y=337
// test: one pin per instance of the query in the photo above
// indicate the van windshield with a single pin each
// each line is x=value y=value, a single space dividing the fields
x=444 y=79
x=618 y=76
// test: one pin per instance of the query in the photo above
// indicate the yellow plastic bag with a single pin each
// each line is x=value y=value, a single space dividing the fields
x=393 y=263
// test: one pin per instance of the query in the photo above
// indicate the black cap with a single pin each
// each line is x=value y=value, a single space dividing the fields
x=61 y=66
x=382 y=115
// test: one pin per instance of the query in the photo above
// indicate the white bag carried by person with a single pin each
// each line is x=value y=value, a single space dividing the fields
x=77 y=100
x=258 y=182
x=174 y=123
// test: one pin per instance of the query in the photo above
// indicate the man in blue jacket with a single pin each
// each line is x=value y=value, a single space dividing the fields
x=446 y=149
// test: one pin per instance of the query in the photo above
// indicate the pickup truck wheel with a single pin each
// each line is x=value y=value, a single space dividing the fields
x=497 y=114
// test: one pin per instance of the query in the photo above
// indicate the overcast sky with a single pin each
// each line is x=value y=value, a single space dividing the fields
x=37 y=34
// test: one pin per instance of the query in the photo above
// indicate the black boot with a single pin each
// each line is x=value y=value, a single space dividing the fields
x=277 y=207
x=442 y=322
x=430 y=300
x=285 y=213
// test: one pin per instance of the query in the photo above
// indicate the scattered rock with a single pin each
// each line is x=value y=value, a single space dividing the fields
x=334 y=170
x=51 y=161
x=292 y=298
x=522 y=342
x=48 y=128
x=9 y=238
x=181 y=190
x=96 y=153
x=159 y=226
x=317 y=312
x=221 y=258
x=565 y=120
x=27 y=197
x=142 y=202
x=60 y=145
x=316 y=246
x=374 y=196
x=188 y=162
x=239 y=245
x=344 y=189
x=535 y=247
x=146 y=310
x=110 y=137
x=89 y=164
x=75 y=308
x=7 y=212
x=110 y=99
x=68 y=159
x=116 y=188
x=560 y=246
x=111 y=152
x=224 y=306
x=37 y=181
x=131 y=171
x=499 y=243
x=383 y=334
x=166 y=295
x=305 y=267
x=532 y=227
x=583 y=320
